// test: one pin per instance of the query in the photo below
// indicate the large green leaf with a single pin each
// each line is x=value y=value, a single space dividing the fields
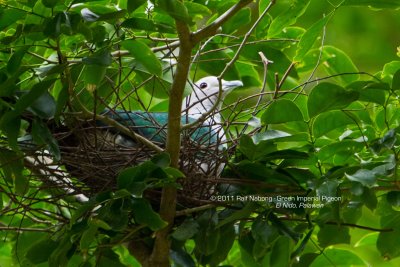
x=396 y=81
x=9 y=16
x=281 y=111
x=134 y=4
x=370 y=91
x=36 y=91
x=15 y=60
x=388 y=243
x=309 y=37
x=41 y=250
x=329 y=121
x=336 y=257
x=328 y=96
x=186 y=230
x=288 y=17
x=144 y=214
x=281 y=251
x=337 y=61
x=144 y=56
x=208 y=236
x=337 y=149
x=365 y=177
x=333 y=234
x=240 y=19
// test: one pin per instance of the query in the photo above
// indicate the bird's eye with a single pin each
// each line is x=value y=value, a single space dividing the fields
x=203 y=85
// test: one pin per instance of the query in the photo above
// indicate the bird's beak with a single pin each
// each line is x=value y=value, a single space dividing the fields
x=228 y=85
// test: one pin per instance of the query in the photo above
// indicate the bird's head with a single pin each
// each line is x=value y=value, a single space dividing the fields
x=205 y=94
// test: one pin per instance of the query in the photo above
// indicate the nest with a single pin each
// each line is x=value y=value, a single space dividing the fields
x=91 y=159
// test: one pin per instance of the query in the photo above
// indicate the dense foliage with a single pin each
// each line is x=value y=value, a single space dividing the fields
x=319 y=149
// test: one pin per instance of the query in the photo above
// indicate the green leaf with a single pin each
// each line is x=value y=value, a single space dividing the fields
x=309 y=37
x=365 y=177
x=112 y=16
x=333 y=234
x=208 y=236
x=134 y=179
x=243 y=17
x=9 y=16
x=388 y=243
x=288 y=17
x=10 y=123
x=328 y=189
x=281 y=111
x=253 y=151
x=15 y=60
x=176 y=9
x=132 y=5
x=281 y=252
x=12 y=168
x=36 y=91
x=108 y=258
x=186 y=230
x=396 y=81
x=373 y=3
x=328 y=96
x=147 y=25
x=162 y=160
x=196 y=9
x=144 y=55
x=49 y=3
x=40 y=251
x=239 y=214
x=144 y=214
x=44 y=106
x=88 y=237
x=370 y=91
x=336 y=257
x=389 y=70
x=336 y=61
x=393 y=198
x=225 y=244
x=263 y=232
x=181 y=258
x=346 y=147
x=42 y=135
x=328 y=121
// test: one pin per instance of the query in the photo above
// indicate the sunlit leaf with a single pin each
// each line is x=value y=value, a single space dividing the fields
x=144 y=55
x=281 y=111
x=329 y=121
x=328 y=96
x=281 y=250
x=309 y=37
x=288 y=17
x=337 y=62
x=396 y=81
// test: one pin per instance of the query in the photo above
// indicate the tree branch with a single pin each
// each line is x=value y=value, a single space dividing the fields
x=160 y=254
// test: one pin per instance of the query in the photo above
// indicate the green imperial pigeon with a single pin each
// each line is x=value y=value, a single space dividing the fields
x=153 y=125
